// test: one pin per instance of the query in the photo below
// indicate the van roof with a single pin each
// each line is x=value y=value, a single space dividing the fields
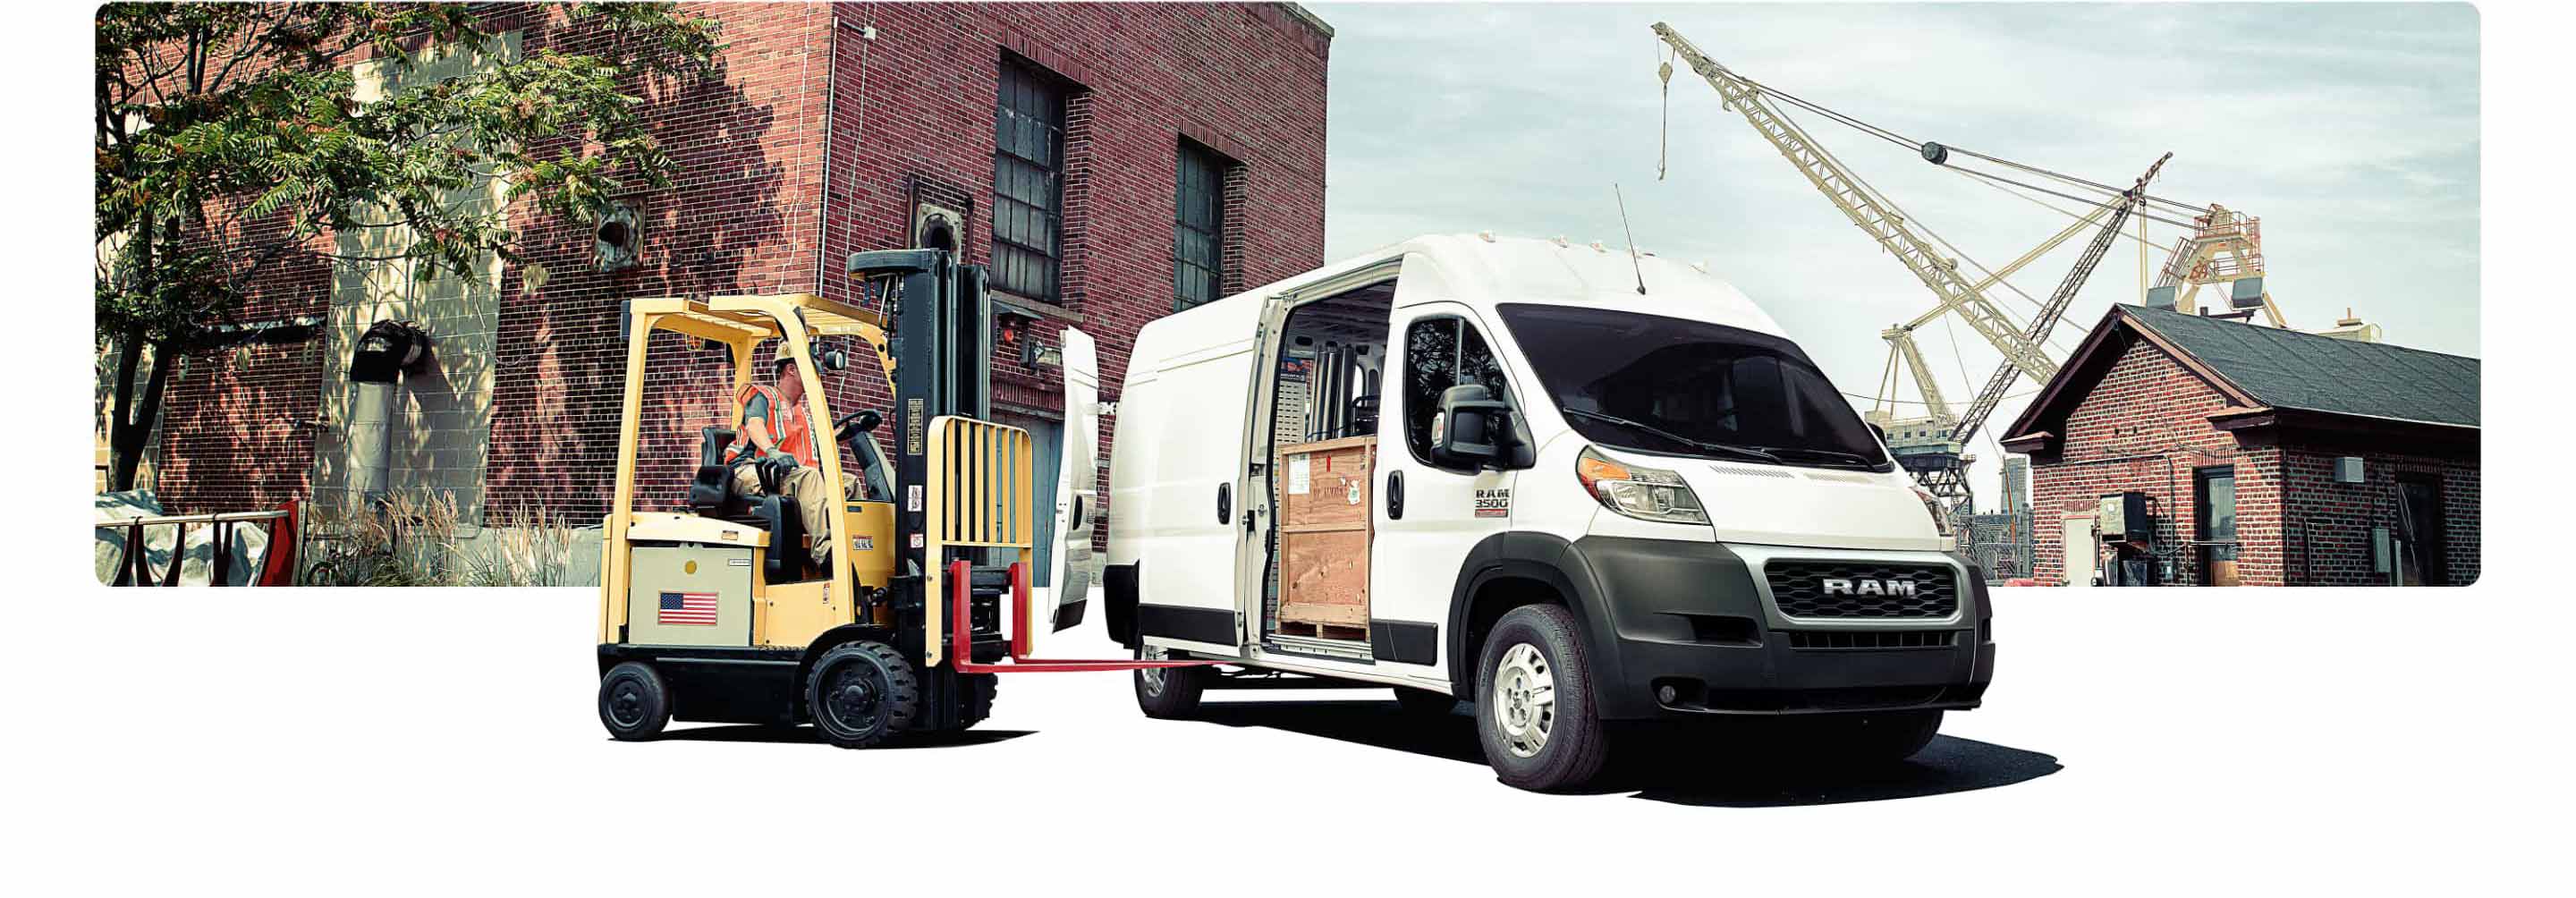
x=1482 y=270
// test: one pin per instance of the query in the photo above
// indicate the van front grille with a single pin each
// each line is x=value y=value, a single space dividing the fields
x=1872 y=639
x=1863 y=590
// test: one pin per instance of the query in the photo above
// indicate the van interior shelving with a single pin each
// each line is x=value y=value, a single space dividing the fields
x=1324 y=416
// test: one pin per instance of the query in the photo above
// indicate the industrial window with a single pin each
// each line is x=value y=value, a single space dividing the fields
x=2213 y=515
x=1198 y=226
x=1440 y=353
x=1028 y=181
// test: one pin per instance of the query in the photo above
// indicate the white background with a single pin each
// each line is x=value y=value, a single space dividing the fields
x=443 y=741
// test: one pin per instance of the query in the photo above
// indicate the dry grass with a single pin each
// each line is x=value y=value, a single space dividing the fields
x=409 y=539
x=519 y=548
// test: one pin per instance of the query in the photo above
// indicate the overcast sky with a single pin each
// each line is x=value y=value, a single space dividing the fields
x=2350 y=130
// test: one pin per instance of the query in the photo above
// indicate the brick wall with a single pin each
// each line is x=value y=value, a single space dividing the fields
x=2328 y=524
x=2145 y=428
x=761 y=206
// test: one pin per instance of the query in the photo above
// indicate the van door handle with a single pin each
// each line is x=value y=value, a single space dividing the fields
x=1225 y=503
x=1395 y=495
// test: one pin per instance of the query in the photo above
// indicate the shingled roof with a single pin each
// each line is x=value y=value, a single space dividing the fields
x=2287 y=369
x=2269 y=369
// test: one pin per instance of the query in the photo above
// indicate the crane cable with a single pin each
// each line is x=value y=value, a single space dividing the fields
x=1664 y=135
x=1917 y=147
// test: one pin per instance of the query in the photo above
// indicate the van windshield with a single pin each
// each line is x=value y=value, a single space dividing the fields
x=1674 y=386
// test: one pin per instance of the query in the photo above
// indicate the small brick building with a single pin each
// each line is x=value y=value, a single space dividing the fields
x=2265 y=457
x=1110 y=162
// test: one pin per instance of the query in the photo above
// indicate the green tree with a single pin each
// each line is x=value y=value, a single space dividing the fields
x=212 y=115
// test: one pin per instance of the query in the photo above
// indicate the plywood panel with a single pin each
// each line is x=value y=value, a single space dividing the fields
x=1324 y=532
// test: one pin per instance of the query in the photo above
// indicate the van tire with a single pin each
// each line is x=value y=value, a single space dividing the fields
x=1543 y=747
x=1424 y=702
x=861 y=694
x=634 y=703
x=1168 y=693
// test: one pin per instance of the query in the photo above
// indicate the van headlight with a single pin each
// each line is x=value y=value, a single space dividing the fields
x=1648 y=494
x=1932 y=506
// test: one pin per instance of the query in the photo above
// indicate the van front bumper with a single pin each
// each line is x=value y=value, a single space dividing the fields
x=1683 y=629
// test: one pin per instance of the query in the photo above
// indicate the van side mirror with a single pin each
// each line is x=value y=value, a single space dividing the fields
x=1469 y=431
x=1879 y=432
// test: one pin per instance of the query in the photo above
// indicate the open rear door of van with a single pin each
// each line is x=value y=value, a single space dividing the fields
x=1077 y=479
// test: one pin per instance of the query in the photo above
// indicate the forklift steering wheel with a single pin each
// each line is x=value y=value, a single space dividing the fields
x=855 y=423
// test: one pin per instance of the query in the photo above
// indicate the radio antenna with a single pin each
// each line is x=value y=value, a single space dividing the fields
x=1633 y=264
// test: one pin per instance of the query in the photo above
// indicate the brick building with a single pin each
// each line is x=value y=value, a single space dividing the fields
x=2265 y=456
x=1111 y=162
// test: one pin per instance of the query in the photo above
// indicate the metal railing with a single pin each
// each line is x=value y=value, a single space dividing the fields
x=134 y=562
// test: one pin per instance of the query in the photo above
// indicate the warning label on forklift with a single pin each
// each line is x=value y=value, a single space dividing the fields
x=912 y=498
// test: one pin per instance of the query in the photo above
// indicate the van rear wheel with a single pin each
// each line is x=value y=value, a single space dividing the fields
x=1534 y=711
x=1168 y=693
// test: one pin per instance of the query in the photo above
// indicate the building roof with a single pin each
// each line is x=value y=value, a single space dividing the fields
x=2287 y=369
x=2268 y=369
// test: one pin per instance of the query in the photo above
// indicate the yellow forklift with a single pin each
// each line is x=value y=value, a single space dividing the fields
x=711 y=607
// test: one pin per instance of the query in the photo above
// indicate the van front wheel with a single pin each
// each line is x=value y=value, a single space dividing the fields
x=1168 y=692
x=1534 y=712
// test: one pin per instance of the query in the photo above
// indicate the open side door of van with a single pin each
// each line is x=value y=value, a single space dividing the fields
x=1077 y=478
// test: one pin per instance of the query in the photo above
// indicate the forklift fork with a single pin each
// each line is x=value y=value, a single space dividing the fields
x=962 y=639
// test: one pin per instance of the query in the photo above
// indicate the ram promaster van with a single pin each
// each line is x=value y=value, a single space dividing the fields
x=1573 y=487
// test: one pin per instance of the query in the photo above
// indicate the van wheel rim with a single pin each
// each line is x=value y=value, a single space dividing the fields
x=1152 y=677
x=1524 y=700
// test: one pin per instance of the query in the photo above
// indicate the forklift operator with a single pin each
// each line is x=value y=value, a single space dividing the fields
x=782 y=404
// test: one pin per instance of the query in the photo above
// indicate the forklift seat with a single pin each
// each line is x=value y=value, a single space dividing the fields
x=711 y=494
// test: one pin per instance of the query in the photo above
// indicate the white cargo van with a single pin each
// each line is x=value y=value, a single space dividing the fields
x=1564 y=485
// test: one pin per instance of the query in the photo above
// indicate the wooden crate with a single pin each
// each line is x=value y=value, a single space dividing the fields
x=1324 y=531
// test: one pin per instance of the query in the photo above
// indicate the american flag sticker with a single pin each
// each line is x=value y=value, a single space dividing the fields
x=687 y=609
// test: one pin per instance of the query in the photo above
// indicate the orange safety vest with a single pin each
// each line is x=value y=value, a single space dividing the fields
x=788 y=427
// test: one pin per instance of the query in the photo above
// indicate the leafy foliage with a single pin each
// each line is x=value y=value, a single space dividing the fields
x=214 y=116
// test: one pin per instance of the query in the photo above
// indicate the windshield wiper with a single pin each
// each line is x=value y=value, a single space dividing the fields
x=1660 y=433
x=1837 y=455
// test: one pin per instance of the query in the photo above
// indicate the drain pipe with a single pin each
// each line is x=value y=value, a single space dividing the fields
x=384 y=353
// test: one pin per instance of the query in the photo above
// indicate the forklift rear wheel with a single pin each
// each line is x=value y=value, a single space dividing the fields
x=633 y=702
x=1424 y=702
x=1168 y=692
x=862 y=693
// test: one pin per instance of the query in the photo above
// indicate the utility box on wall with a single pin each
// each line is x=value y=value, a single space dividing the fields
x=2122 y=518
x=2347 y=469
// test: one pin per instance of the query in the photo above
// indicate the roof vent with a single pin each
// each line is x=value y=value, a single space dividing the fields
x=1558 y=240
x=1487 y=236
x=1598 y=248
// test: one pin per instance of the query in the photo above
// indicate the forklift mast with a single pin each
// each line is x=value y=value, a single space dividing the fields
x=941 y=341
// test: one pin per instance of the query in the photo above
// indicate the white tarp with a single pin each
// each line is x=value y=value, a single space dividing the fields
x=249 y=542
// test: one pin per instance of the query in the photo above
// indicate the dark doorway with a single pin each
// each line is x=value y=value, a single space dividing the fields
x=2421 y=552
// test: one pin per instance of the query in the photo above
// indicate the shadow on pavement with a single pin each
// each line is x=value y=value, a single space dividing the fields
x=806 y=736
x=1678 y=771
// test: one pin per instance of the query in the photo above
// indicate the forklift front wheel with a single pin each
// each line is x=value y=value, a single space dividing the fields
x=633 y=702
x=862 y=693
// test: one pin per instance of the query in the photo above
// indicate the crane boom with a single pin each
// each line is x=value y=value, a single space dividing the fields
x=1866 y=210
x=2055 y=308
